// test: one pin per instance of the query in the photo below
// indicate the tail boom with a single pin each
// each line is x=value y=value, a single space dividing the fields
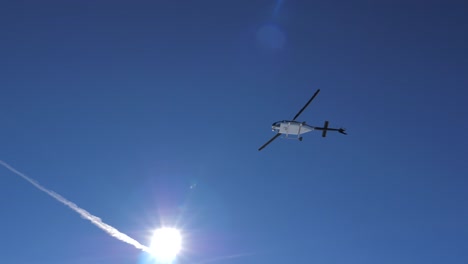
x=325 y=129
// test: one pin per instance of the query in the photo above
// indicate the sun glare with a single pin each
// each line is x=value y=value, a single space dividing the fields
x=166 y=244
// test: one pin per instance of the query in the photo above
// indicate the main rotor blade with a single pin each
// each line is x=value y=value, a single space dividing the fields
x=305 y=106
x=269 y=141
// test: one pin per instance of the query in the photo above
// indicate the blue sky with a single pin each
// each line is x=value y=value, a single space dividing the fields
x=121 y=107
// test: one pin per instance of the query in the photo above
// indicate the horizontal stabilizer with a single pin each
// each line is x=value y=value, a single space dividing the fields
x=325 y=129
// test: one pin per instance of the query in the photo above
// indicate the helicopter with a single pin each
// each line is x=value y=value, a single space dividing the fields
x=296 y=128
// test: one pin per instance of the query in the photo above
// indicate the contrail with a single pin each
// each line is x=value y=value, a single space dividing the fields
x=85 y=214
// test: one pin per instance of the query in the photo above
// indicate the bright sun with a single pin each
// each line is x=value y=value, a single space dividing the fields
x=166 y=244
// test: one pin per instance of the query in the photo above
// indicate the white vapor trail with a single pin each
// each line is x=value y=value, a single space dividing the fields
x=85 y=214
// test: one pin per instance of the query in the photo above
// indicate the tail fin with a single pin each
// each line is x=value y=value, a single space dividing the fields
x=325 y=129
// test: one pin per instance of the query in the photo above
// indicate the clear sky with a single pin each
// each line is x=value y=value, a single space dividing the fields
x=150 y=113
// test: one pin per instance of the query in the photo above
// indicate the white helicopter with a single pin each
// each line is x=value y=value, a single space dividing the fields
x=293 y=127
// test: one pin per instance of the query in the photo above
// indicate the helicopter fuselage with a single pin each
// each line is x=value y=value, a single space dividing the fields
x=291 y=127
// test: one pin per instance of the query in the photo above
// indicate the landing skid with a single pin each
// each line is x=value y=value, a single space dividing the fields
x=286 y=137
